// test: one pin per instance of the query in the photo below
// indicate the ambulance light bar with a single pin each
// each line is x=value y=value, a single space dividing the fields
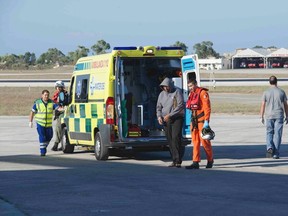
x=125 y=48
x=141 y=48
x=169 y=48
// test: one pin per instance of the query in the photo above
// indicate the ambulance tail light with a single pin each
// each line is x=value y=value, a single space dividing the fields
x=110 y=110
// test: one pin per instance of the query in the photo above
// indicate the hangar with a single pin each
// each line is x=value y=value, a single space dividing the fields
x=278 y=58
x=260 y=58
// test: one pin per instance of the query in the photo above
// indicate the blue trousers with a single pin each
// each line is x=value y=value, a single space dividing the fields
x=274 y=129
x=45 y=136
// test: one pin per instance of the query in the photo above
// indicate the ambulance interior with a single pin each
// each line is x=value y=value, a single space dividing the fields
x=142 y=77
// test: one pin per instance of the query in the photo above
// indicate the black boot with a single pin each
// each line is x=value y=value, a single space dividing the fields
x=173 y=164
x=55 y=147
x=210 y=164
x=194 y=165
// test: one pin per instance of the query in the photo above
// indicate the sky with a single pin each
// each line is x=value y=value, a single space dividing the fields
x=37 y=25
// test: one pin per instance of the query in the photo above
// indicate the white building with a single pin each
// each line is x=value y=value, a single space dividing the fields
x=214 y=64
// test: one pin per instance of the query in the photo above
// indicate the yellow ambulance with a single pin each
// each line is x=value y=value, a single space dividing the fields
x=113 y=96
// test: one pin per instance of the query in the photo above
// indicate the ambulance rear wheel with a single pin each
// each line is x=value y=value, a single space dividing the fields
x=66 y=146
x=101 y=151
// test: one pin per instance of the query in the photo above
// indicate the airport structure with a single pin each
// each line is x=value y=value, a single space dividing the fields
x=248 y=58
x=260 y=58
x=214 y=64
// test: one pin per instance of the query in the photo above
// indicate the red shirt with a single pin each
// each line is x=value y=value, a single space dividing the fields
x=55 y=96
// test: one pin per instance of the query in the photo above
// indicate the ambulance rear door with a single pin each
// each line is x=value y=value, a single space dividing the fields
x=190 y=70
x=119 y=98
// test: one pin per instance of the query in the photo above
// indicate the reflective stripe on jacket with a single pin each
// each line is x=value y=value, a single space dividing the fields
x=44 y=113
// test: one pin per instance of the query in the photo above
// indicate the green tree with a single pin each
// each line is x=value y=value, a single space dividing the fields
x=29 y=58
x=100 y=47
x=70 y=57
x=82 y=51
x=10 y=60
x=42 y=59
x=258 y=47
x=182 y=45
x=52 y=56
x=33 y=59
x=205 y=50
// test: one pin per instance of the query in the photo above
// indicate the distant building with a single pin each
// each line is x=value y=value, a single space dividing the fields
x=214 y=64
x=259 y=58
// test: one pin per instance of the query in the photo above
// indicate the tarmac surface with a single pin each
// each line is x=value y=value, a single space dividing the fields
x=242 y=182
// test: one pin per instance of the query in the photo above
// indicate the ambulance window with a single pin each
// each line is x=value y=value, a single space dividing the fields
x=71 y=93
x=81 y=93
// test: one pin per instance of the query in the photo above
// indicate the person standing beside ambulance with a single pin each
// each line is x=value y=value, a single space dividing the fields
x=170 y=114
x=199 y=104
x=43 y=112
x=58 y=98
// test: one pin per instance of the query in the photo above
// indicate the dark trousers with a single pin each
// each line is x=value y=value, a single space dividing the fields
x=173 y=131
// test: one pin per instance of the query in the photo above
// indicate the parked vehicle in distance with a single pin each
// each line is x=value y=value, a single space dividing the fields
x=262 y=65
x=252 y=65
x=276 y=65
x=285 y=65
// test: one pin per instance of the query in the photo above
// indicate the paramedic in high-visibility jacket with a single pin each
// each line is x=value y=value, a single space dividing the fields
x=170 y=113
x=199 y=104
x=43 y=112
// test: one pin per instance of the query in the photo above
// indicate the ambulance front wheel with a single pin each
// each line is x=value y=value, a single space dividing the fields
x=101 y=151
x=67 y=147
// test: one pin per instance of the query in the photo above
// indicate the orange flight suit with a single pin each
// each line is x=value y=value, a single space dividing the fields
x=203 y=113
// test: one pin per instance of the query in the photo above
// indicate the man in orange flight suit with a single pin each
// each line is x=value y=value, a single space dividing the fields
x=199 y=104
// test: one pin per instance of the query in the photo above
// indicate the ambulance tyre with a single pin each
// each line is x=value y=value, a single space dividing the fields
x=66 y=146
x=101 y=151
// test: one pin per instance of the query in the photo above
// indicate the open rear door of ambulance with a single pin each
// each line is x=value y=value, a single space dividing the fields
x=118 y=95
x=190 y=70
x=120 y=102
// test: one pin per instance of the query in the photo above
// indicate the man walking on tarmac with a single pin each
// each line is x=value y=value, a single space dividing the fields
x=274 y=104
x=170 y=114
x=43 y=112
x=199 y=104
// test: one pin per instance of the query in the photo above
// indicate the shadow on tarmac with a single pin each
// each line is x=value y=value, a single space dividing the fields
x=237 y=152
x=63 y=185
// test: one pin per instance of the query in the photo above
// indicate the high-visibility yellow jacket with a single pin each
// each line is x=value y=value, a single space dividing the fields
x=44 y=114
